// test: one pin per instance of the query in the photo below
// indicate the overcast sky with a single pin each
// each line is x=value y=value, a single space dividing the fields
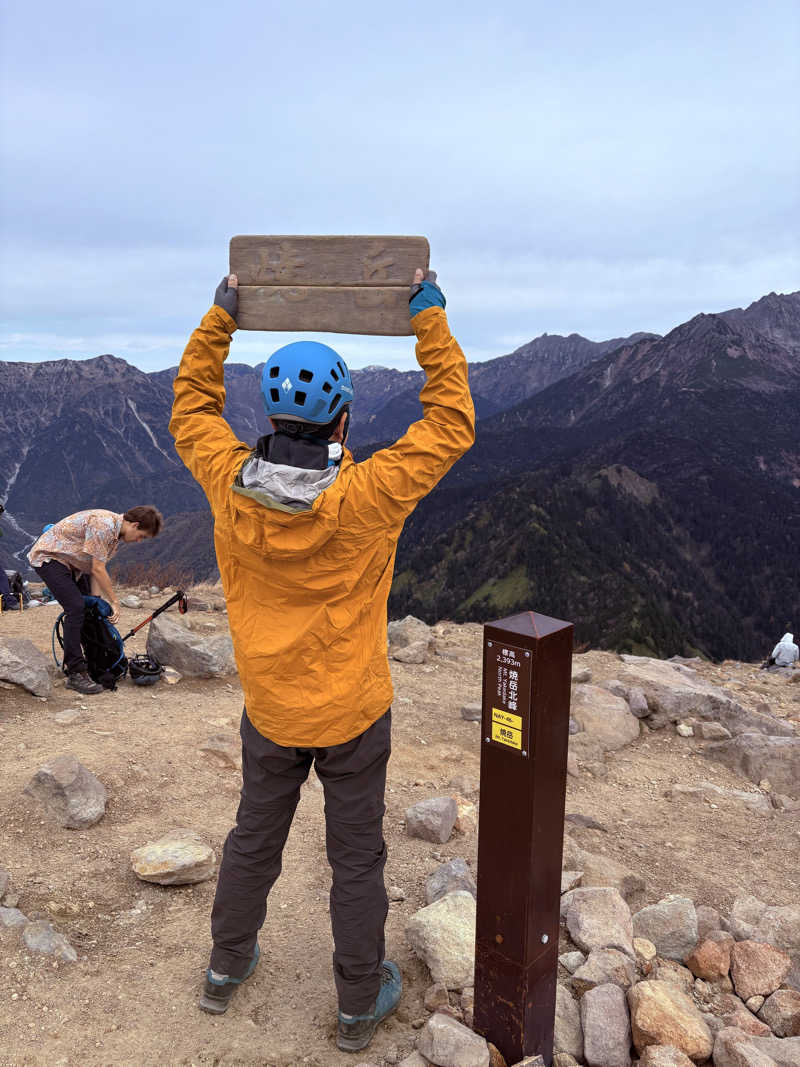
x=598 y=168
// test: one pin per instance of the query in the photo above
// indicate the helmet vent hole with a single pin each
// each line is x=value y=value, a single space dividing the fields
x=274 y=395
x=334 y=375
x=305 y=376
x=341 y=369
x=326 y=387
x=299 y=398
x=334 y=402
x=274 y=372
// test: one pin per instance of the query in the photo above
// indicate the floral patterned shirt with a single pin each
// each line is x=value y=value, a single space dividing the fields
x=79 y=540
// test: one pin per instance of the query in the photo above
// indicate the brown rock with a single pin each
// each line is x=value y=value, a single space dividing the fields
x=710 y=959
x=757 y=968
x=781 y=1012
x=662 y=1015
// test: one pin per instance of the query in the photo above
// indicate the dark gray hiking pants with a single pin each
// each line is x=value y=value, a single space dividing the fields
x=58 y=579
x=353 y=776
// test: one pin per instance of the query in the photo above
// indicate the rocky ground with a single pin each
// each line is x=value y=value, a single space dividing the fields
x=660 y=801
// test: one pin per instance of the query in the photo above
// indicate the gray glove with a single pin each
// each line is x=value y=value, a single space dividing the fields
x=227 y=297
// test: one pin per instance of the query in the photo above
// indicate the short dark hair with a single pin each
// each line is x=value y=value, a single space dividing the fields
x=147 y=518
x=309 y=429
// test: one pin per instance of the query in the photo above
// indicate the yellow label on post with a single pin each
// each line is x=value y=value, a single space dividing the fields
x=505 y=718
x=506 y=735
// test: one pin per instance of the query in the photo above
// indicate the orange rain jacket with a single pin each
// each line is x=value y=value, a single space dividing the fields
x=306 y=591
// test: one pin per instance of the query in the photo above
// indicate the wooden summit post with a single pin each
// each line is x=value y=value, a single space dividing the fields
x=526 y=691
x=327 y=284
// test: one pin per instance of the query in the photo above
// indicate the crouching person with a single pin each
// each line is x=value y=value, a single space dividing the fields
x=77 y=547
x=305 y=539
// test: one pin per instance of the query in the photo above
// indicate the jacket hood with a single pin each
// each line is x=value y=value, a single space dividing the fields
x=286 y=512
x=787 y=639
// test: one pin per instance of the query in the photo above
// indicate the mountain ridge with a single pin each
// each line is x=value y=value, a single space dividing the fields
x=681 y=449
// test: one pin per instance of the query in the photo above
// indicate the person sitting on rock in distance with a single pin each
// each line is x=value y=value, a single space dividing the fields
x=785 y=653
x=82 y=544
x=306 y=539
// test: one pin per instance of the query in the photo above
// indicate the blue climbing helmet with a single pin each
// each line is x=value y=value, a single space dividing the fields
x=306 y=381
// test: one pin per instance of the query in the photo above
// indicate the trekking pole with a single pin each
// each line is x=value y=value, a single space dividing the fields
x=183 y=607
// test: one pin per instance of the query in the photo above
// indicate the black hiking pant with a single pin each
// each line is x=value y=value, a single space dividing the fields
x=353 y=776
x=58 y=578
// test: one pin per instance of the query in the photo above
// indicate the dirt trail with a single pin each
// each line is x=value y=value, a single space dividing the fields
x=132 y=997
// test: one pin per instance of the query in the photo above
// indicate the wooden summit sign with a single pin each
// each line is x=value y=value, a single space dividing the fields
x=327 y=284
x=526 y=691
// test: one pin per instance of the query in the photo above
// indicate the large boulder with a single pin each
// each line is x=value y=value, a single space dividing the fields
x=443 y=936
x=604 y=966
x=606 y=718
x=662 y=1015
x=432 y=819
x=756 y=757
x=448 y=1043
x=781 y=1013
x=568 y=1033
x=710 y=959
x=195 y=655
x=21 y=663
x=69 y=793
x=600 y=918
x=757 y=969
x=675 y=693
x=671 y=925
x=180 y=857
x=606 y=1027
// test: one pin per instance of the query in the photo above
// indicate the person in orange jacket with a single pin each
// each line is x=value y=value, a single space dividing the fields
x=305 y=539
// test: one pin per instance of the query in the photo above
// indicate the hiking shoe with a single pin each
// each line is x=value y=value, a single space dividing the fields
x=219 y=988
x=355 y=1031
x=82 y=683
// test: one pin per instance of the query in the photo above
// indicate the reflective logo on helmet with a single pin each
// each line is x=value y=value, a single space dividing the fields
x=286 y=385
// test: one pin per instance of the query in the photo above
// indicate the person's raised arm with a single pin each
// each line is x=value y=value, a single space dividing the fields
x=395 y=479
x=203 y=439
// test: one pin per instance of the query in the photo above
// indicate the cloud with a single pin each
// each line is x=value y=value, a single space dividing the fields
x=576 y=168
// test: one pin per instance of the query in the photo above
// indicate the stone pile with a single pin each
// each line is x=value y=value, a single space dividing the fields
x=668 y=983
